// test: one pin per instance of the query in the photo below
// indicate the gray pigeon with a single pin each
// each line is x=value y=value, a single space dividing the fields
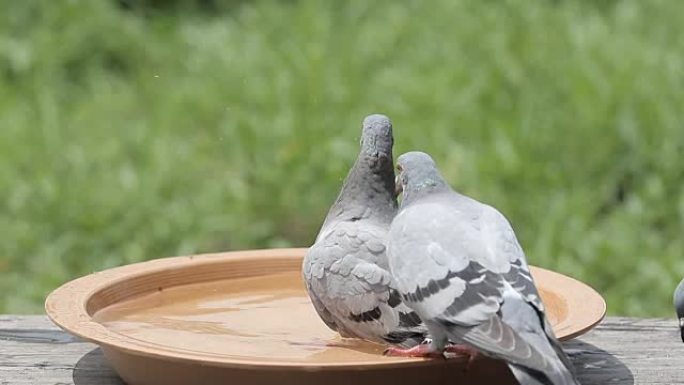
x=458 y=264
x=346 y=271
x=679 y=306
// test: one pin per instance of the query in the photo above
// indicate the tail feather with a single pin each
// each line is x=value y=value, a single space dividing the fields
x=556 y=345
x=534 y=328
x=559 y=372
x=527 y=376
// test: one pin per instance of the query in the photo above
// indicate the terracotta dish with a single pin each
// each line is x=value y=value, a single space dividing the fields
x=244 y=318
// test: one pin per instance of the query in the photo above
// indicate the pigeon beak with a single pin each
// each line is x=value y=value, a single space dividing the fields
x=398 y=187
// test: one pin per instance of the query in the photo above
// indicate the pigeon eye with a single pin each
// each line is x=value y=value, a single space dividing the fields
x=399 y=168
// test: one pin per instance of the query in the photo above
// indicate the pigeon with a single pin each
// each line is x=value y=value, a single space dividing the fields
x=679 y=306
x=457 y=263
x=346 y=271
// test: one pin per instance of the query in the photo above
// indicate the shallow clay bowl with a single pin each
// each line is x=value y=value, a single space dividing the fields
x=244 y=318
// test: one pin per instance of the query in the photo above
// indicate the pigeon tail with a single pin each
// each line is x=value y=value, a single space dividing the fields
x=558 y=372
x=527 y=376
x=559 y=376
x=531 y=324
x=530 y=355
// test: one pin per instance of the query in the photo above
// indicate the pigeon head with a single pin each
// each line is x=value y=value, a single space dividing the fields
x=368 y=189
x=376 y=137
x=418 y=174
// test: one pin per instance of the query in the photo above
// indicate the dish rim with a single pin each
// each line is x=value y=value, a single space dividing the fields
x=67 y=305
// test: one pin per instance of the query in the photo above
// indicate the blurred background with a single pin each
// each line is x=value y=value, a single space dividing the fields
x=132 y=130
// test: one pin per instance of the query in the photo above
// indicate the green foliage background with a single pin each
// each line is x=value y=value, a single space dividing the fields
x=133 y=130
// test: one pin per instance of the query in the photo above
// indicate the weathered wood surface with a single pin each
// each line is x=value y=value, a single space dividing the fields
x=620 y=351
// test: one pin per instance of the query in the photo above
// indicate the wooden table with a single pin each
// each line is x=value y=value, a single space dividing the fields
x=620 y=351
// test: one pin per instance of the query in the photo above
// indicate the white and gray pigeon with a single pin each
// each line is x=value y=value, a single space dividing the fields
x=346 y=271
x=679 y=306
x=458 y=264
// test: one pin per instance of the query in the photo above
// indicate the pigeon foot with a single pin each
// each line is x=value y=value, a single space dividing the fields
x=463 y=350
x=423 y=350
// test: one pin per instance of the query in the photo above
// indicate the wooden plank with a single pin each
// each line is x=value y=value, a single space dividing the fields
x=622 y=351
x=630 y=351
x=34 y=351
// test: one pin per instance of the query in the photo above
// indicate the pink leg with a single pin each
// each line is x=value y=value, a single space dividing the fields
x=422 y=350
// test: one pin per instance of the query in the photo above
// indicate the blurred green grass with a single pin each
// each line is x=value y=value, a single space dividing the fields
x=135 y=133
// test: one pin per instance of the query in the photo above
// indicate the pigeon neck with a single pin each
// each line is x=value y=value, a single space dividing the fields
x=414 y=192
x=368 y=191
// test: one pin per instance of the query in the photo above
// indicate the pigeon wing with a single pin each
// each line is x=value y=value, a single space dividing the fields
x=447 y=273
x=345 y=266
